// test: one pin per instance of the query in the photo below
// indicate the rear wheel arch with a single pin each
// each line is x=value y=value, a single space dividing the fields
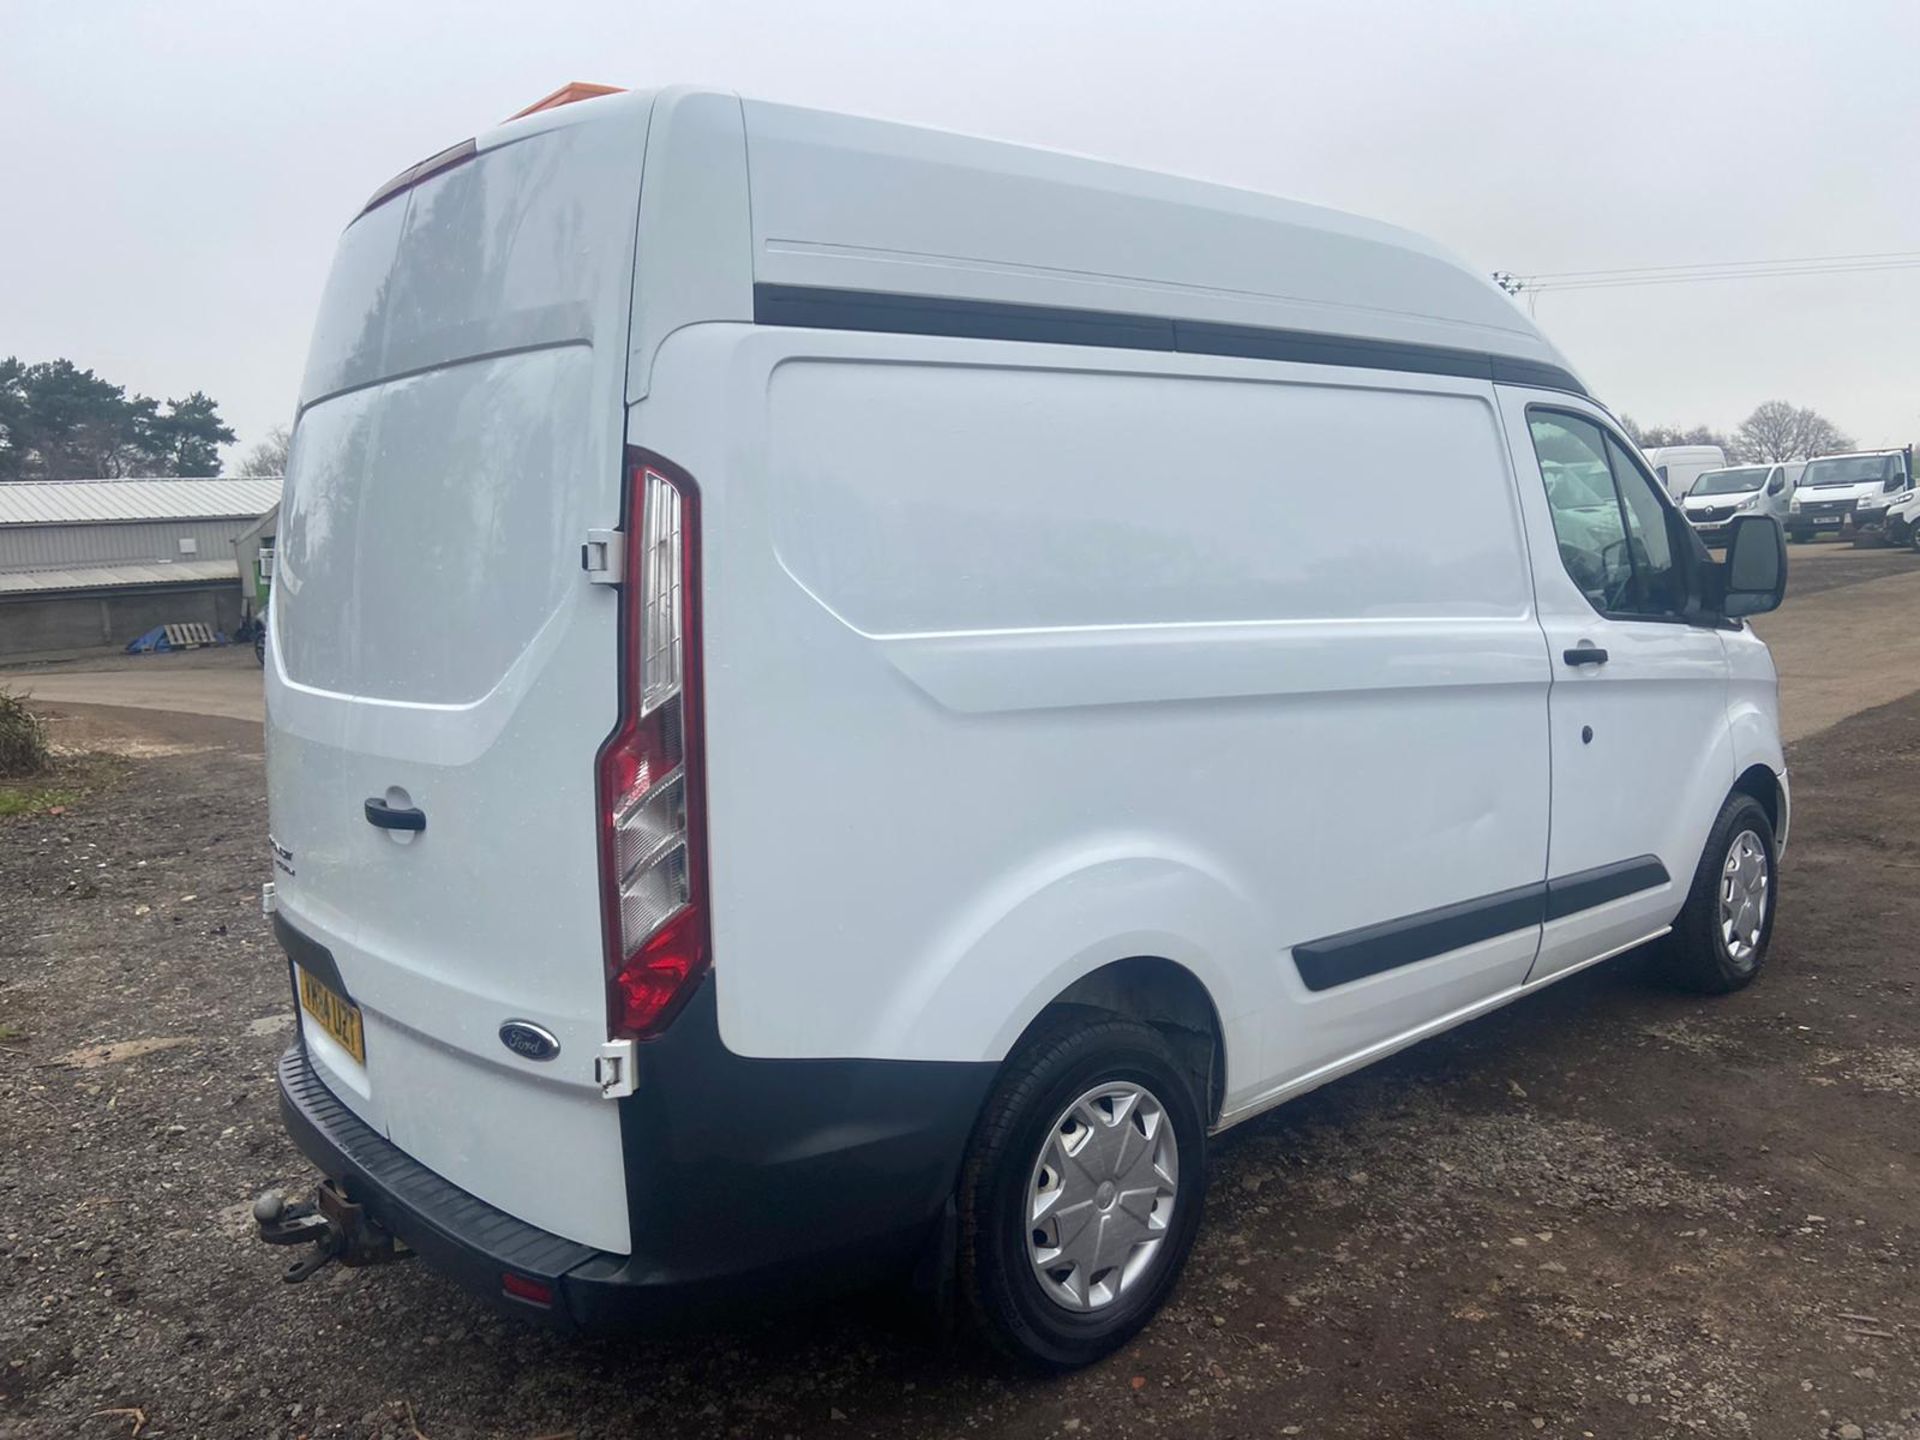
x=1157 y=992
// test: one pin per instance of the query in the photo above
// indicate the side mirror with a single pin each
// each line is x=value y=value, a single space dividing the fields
x=1754 y=574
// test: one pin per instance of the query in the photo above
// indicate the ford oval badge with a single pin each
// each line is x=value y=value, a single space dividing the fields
x=528 y=1040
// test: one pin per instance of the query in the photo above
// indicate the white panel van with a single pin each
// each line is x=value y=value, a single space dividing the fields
x=828 y=717
x=1717 y=496
x=1677 y=467
x=1852 y=492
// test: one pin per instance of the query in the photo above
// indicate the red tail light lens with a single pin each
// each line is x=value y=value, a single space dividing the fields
x=525 y=1287
x=652 y=843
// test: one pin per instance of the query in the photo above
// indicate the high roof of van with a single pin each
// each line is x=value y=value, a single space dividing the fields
x=1685 y=452
x=772 y=213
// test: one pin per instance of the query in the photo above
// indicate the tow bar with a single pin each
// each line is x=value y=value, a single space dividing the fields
x=332 y=1225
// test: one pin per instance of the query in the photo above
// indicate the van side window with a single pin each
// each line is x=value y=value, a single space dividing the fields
x=1778 y=482
x=1611 y=527
x=1587 y=520
x=1656 y=588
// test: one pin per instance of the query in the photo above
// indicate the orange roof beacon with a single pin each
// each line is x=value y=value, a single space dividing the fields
x=573 y=90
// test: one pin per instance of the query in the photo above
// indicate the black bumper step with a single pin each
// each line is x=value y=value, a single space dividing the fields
x=453 y=1230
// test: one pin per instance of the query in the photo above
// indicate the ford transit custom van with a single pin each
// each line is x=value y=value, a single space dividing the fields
x=827 y=717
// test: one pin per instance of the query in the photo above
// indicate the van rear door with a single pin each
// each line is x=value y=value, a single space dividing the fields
x=442 y=673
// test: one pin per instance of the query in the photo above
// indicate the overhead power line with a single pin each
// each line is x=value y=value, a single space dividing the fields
x=1723 y=265
x=1625 y=276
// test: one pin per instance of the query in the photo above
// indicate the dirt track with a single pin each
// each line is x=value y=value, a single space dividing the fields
x=1611 y=1210
x=222 y=683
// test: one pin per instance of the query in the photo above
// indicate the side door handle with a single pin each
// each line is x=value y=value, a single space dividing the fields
x=391 y=817
x=1584 y=654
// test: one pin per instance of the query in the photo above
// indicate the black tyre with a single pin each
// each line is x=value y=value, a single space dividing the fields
x=1081 y=1192
x=260 y=643
x=1913 y=538
x=1719 y=942
x=1799 y=537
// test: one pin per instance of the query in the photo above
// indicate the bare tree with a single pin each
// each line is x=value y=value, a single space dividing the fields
x=269 y=457
x=1779 y=431
x=1648 y=437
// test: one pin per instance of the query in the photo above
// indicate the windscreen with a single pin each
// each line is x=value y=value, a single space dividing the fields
x=1849 y=470
x=1731 y=482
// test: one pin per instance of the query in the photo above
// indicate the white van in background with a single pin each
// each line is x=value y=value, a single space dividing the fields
x=1848 y=492
x=824 y=718
x=1717 y=496
x=1678 y=466
x=1901 y=524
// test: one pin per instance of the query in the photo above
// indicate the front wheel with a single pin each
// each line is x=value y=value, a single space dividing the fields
x=1081 y=1192
x=1720 y=939
x=1913 y=538
x=1799 y=537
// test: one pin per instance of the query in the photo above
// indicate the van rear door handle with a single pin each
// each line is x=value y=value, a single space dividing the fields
x=1581 y=654
x=389 y=817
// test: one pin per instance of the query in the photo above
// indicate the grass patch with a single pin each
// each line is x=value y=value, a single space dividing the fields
x=18 y=800
x=70 y=781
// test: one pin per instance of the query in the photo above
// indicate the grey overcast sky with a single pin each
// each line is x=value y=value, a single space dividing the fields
x=174 y=176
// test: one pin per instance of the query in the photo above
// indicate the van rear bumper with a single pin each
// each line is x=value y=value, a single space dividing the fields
x=748 y=1179
x=455 y=1232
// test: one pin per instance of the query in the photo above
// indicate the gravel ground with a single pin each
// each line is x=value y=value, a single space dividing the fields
x=1611 y=1210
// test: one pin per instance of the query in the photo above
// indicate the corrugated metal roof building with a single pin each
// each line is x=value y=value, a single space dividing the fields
x=89 y=562
x=53 y=524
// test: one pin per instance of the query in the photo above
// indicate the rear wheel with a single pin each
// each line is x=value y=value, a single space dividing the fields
x=1719 y=942
x=1081 y=1192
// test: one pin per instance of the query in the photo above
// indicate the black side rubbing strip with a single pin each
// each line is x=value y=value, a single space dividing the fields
x=1355 y=954
x=1585 y=889
x=818 y=309
x=311 y=956
x=821 y=308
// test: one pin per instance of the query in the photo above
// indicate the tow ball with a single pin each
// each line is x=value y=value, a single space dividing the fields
x=330 y=1225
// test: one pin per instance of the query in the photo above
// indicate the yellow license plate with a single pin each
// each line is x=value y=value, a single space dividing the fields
x=338 y=1016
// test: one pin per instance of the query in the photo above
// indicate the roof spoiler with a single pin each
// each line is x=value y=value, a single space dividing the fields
x=572 y=91
x=448 y=158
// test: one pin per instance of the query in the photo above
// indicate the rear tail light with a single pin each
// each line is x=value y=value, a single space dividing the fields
x=652 y=846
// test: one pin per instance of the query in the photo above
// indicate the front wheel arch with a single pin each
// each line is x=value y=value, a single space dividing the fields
x=1763 y=785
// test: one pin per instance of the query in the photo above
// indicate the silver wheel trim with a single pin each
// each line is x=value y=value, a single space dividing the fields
x=1744 y=896
x=1101 y=1196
